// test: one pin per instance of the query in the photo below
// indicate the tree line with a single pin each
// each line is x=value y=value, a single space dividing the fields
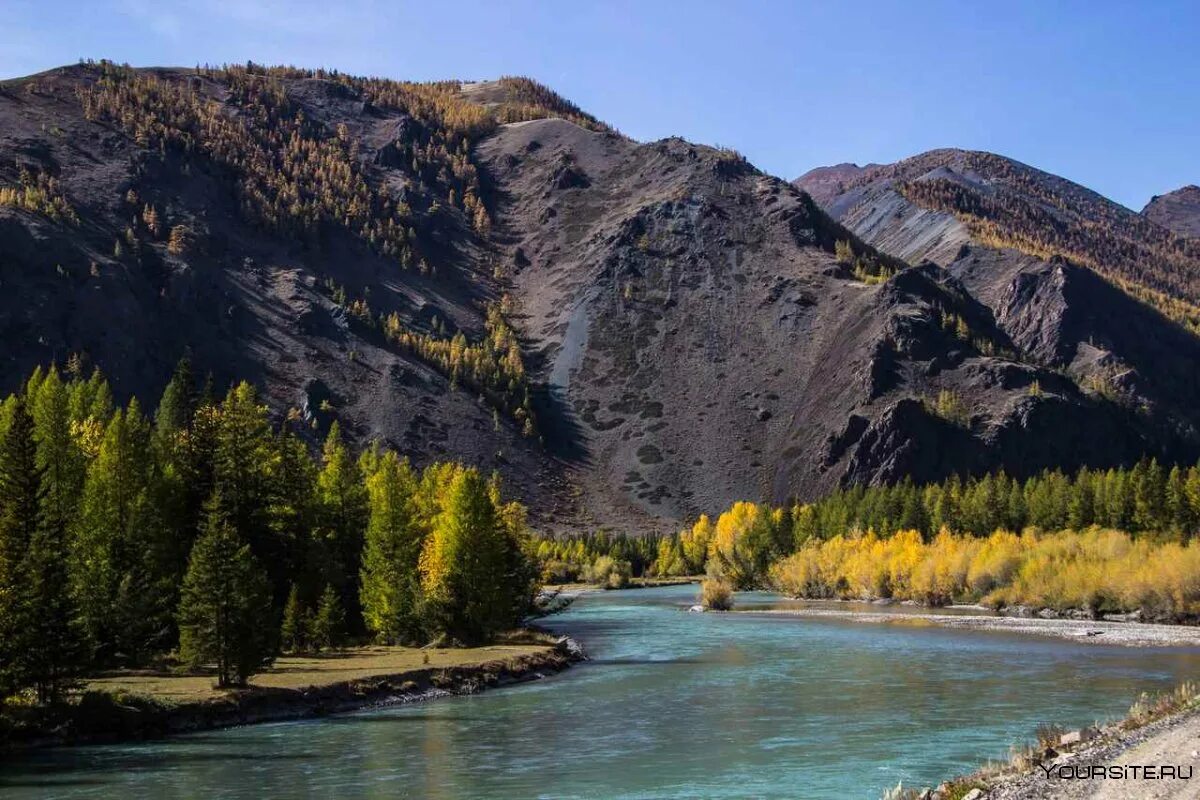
x=1121 y=538
x=206 y=534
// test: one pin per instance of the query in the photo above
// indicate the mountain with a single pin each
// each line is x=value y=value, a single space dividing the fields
x=1178 y=210
x=825 y=183
x=1079 y=283
x=630 y=333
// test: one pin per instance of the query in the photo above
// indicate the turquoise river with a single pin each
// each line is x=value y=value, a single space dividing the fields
x=672 y=705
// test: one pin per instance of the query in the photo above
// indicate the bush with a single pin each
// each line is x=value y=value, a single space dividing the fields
x=608 y=572
x=1097 y=570
x=556 y=572
x=716 y=594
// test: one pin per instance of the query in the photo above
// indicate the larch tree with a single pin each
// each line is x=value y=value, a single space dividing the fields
x=464 y=563
x=329 y=624
x=58 y=455
x=390 y=585
x=243 y=462
x=342 y=503
x=117 y=545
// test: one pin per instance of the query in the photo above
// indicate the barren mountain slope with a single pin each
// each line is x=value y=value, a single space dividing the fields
x=705 y=345
x=1059 y=266
x=1178 y=210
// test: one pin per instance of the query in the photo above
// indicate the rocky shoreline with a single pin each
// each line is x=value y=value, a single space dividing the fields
x=134 y=718
x=1060 y=774
x=1107 y=631
x=1124 y=760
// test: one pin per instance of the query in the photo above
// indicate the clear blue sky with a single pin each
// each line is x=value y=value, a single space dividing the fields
x=1104 y=93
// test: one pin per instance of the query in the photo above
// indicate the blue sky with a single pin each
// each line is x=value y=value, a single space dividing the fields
x=1107 y=94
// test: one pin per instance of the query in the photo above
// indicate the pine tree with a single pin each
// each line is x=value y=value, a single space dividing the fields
x=225 y=607
x=329 y=625
x=390 y=590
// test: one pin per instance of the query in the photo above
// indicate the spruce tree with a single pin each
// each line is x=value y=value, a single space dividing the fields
x=52 y=651
x=225 y=607
x=176 y=409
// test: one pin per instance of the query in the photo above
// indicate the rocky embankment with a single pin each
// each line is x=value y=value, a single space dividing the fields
x=1154 y=762
x=101 y=717
x=1152 y=754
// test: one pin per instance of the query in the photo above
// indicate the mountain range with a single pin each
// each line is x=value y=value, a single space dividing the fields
x=630 y=333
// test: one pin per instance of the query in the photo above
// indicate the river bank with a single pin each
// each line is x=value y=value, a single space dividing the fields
x=146 y=707
x=1151 y=753
x=1109 y=632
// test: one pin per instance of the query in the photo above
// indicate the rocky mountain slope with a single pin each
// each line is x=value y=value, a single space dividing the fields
x=1080 y=284
x=630 y=333
x=1178 y=210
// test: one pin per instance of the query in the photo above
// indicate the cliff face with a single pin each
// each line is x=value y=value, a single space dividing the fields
x=630 y=333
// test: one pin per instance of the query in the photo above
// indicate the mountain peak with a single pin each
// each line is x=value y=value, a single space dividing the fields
x=1178 y=210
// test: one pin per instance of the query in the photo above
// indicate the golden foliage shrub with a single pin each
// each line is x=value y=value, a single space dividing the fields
x=1098 y=570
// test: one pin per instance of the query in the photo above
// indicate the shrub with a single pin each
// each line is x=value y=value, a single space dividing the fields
x=609 y=572
x=1098 y=570
x=555 y=572
x=716 y=594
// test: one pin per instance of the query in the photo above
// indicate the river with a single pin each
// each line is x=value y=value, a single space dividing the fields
x=672 y=705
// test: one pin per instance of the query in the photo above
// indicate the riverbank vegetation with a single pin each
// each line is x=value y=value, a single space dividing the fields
x=1100 y=542
x=594 y=558
x=207 y=537
x=1097 y=570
